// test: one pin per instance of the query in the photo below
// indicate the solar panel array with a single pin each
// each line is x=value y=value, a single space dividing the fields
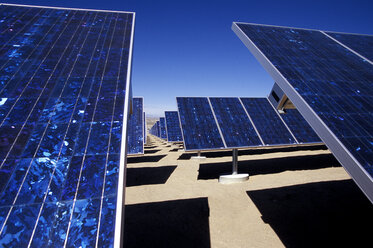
x=231 y=122
x=328 y=77
x=64 y=81
x=173 y=126
x=136 y=127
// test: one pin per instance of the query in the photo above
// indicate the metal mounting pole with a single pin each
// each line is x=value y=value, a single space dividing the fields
x=234 y=177
x=198 y=156
x=234 y=161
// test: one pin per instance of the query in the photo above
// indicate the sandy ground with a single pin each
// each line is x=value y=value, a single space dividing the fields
x=295 y=197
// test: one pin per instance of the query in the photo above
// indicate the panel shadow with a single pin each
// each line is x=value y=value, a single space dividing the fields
x=178 y=223
x=145 y=159
x=268 y=166
x=151 y=151
x=324 y=214
x=150 y=147
x=148 y=175
x=253 y=151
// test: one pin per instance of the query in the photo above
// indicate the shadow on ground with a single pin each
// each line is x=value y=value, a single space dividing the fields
x=145 y=159
x=151 y=151
x=150 y=147
x=268 y=166
x=148 y=175
x=218 y=154
x=324 y=214
x=178 y=223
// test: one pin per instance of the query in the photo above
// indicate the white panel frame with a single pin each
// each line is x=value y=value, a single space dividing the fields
x=119 y=214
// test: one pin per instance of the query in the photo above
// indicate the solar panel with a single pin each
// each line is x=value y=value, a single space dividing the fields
x=162 y=128
x=330 y=84
x=199 y=127
x=136 y=127
x=64 y=86
x=152 y=129
x=362 y=44
x=267 y=121
x=158 y=129
x=299 y=127
x=173 y=126
x=145 y=134
x=234 y=123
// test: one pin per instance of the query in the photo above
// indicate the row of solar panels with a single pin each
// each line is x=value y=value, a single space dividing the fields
x=136 y=127
x=207 y=123
x=232 y=122
x=168 y=127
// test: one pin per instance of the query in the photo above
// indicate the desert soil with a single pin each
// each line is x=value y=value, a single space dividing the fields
x=295 y=197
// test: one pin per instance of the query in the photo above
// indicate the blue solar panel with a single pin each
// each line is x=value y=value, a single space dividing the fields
x=173 y=126
x=267 y=122
x=329 y=85
x=145 y=135
x=361 y=44
x=198 y=124
x=63 y=87
x=136 y=127
x=153 y=129
x=162 y=128
x=158 y=129
x=234 y=123
x=299 y=127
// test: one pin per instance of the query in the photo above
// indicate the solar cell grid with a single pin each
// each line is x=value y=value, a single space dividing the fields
x=162 y=128
x=173 y=126
x=62 y=127
x=269 y=125
x=158 y=129
x=234 y=123
x=362 y=44
x=299 y=127
x=136 y=127
x=199 y=127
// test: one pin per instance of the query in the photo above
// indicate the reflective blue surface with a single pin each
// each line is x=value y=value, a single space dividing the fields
x=234 y=123
x=62 y=93
x=333 y=81
x=198 y=124
x=162 y=128
x=173 y=126
x=267 y=122
x=361 y=44
x=154 y=130
x=299 y=127
x=136 y=127
x=145 y=133
x=158 y=129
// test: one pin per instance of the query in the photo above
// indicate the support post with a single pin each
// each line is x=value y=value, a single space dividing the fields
x=198 y=156
x=234 y=177
x=234 y=161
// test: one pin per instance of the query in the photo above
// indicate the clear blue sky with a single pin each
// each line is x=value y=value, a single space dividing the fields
x=187 y=48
